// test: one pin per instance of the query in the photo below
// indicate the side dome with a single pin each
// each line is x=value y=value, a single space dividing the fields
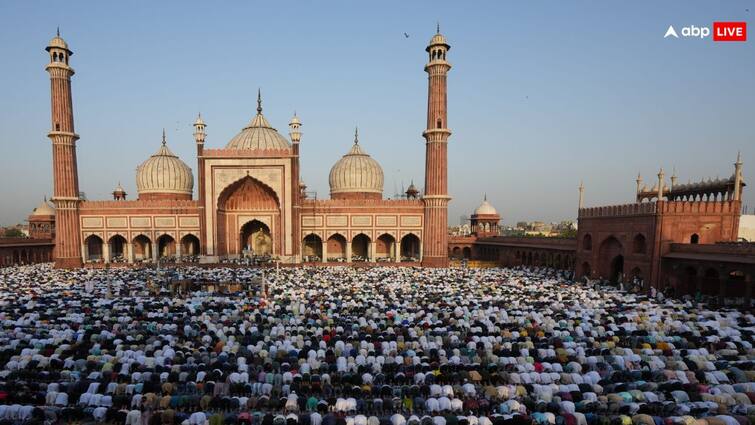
x=258 y=134
x=164 y=176
x=485 y=208
x=356 y=175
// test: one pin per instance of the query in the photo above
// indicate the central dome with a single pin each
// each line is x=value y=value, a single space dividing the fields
x=356 y=175
x=258 y=134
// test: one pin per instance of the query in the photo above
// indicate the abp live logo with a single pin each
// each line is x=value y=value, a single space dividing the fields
x=730 y=31
x=722 y=31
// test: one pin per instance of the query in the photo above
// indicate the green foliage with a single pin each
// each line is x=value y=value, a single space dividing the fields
x=13 y=232
x=569 y=233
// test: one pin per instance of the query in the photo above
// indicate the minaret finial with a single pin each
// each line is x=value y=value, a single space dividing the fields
x=485 y=196
x=259 y=102
x=163 y=136
x=739 y=157
x=58 y=31
x=437 y=27
x=356 y=135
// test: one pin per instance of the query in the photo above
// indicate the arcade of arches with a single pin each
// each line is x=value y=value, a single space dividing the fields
x=18 y=251
x=702 y=273
x=510 y=251
x=361 y=248
x=141 y=248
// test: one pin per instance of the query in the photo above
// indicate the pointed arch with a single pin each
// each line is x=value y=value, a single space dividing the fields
x=336 y=243
x=256 y=238
x=245 y=200
x=248 y=193
x=312 y=247
x=189 y=245
x=639 y=244
x=142 y=247
x=166 y=246
x=360 y=247
x=93 y=245
x=587 y=242
x=611 y=255
x=117 y=245
x=410 y=247
x=385 y=246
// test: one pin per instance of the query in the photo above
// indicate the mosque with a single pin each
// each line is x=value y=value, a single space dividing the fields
x=250 y=198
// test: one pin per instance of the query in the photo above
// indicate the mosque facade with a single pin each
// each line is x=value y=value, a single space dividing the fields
x=250 y=197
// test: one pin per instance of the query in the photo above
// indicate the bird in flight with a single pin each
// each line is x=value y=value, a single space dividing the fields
x=406 y=35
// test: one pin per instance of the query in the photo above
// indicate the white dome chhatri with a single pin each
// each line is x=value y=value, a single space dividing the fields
x=485 y=208
x=43 y=209
x=258 y=134
x=356 y=175
x=163 y=175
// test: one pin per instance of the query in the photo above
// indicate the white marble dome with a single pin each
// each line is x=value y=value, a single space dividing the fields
x=485 y=208
x=356 y=172
x=43 y=209
x=164 y=173
x=258 y=135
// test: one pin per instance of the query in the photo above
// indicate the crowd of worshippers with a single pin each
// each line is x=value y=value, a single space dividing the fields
x=371 y=346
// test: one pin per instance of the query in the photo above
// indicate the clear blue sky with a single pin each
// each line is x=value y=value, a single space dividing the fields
x=542 y=94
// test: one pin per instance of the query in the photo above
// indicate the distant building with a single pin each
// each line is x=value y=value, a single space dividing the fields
x=747 y=228
x=681 y=237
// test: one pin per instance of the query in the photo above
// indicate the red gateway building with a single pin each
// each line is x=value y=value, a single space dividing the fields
x=678 y=236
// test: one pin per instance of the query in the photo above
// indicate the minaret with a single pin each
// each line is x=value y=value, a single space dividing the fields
x=199 y=134
x=660 y=184
x=639 y=185
x=65 y=174
x=581 y=194
x=435 y=243
x=295 y=135
x=738 y=178
x=674 y=178
x=199 y=138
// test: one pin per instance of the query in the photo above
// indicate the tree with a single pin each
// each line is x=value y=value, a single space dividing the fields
x=569 y=233
x=13 y=232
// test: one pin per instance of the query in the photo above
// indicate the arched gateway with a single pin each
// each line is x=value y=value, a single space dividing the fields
x=249 y=219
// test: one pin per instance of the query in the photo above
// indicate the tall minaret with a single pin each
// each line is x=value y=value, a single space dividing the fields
x=295 y=134
x=581 y=195
x=738 y=178
x=65 y=173
x=435 y=243
x=199 y=138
